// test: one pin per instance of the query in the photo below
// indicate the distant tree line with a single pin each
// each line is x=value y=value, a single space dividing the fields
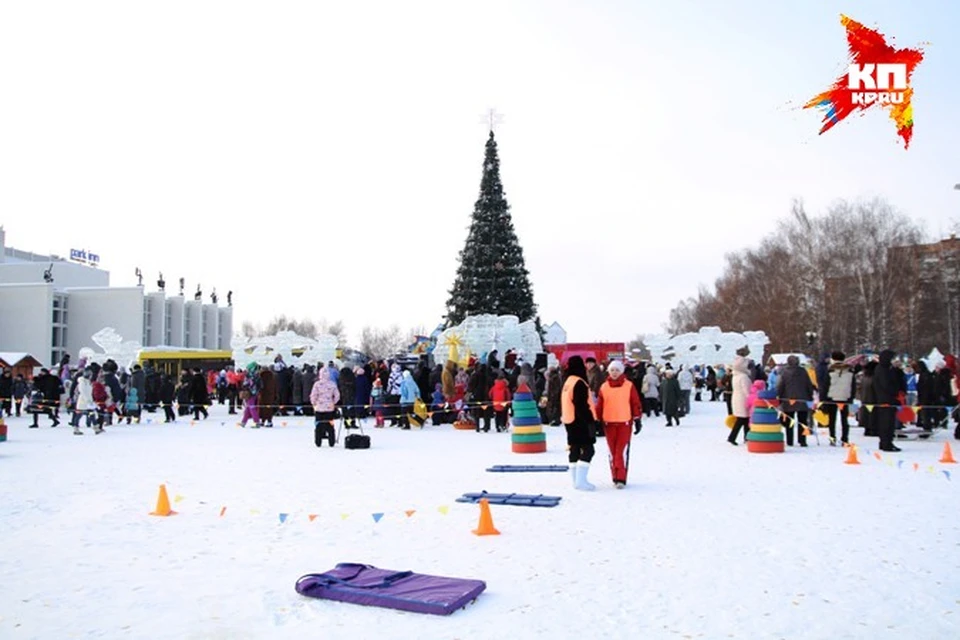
x=860 y=277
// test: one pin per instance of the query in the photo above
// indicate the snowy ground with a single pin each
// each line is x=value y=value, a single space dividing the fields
x=708 y=541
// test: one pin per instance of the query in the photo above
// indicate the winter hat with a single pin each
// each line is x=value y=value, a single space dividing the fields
x=616 y=365
x=838 y=356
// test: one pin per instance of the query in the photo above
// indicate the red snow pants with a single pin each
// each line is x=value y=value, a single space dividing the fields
x=618 y=441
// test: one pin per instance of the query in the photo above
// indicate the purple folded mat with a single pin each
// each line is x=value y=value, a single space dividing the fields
x=404 y=590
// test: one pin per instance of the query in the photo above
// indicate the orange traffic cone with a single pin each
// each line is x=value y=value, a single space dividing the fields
x=485 y=528
x=163 y=504
x=852 y=455
x=947 y=457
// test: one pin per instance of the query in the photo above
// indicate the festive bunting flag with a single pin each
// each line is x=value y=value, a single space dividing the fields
x=344 y=516
x=444 y=509
x=868 y=407
x=946 y=473
x=283 y=518
x=916 y=466
x=876 y=454
x=178 y=498
x=223 y=510
x=376 y=516
x=410 y=512
x=312 y=517
x=840 y=405
x=899 y=464
x=222 y=423
x=255 y=512
x=283 y=424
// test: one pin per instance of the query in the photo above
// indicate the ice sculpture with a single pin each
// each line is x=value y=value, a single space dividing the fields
x=709 y=346
x=124 y=352
x=295 y=349
x=934 y=360
x=481 y=334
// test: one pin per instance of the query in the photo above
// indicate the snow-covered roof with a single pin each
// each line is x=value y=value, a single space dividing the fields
x=781 y=358
x=13 y=358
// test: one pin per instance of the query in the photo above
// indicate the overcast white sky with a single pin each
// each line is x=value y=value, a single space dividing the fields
x=322 y=159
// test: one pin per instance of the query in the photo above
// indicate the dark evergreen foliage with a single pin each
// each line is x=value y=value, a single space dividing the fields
x=492 y=277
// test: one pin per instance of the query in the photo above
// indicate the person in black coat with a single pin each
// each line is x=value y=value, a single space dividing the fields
x=577 y=416
x=926 y=395
x=362 y=392
x=165 y=396
x=151 y=390
x=6 y=393
x=888 y=383
x=479 y=390
x=199 y=396
x=795 y=390
x=347 y=385
x=51 y=388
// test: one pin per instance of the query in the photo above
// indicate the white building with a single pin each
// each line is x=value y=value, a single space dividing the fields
x=554 y=334
x=50 y=306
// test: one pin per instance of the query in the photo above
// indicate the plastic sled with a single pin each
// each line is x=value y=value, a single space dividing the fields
x=524 y=468
x=913 y=433
x=405 y=590
x=511 y=499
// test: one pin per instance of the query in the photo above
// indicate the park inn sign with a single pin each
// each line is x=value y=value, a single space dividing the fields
x=84 y=257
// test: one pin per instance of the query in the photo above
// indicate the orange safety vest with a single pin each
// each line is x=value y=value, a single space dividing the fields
x=567 y=411
x=616 y=402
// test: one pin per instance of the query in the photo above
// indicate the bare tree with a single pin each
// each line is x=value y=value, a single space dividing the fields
x=643 y=353
x=379 y=343
x=250 y=330
x=338 y=329
x=306 y=327
x=845 y=275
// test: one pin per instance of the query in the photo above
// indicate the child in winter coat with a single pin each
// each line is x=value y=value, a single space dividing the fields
x=758 y=386
x=132 y=405
x=376 y=400
x=439 y=405
x=500 y=395
x=409 y=394
x=324 y=397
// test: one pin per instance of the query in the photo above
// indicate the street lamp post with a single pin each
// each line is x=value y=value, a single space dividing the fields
x=811 y=338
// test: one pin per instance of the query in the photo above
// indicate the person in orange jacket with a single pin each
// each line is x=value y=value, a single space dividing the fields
x=578 y=415
x=618 y=409
x=500 y=395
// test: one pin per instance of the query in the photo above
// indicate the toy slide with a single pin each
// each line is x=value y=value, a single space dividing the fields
x=524 y=468
x=405 y=590
x=511 y=499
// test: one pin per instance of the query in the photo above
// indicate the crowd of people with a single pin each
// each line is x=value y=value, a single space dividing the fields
x=588 y=398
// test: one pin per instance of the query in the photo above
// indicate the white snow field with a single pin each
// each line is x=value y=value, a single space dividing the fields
x=707 y=541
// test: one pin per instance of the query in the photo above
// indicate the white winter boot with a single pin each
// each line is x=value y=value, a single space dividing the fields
x=573 y=474
x=582 y=469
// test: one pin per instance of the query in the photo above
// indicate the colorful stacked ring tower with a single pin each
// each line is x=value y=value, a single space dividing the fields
x=527 y=435
x=766 y=432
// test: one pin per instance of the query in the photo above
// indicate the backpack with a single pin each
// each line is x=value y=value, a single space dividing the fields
x=99 y=393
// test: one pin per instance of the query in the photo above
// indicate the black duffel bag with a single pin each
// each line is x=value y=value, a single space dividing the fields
x=356 y=441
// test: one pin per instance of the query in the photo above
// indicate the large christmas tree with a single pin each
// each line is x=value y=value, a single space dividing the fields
x=492 y=277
